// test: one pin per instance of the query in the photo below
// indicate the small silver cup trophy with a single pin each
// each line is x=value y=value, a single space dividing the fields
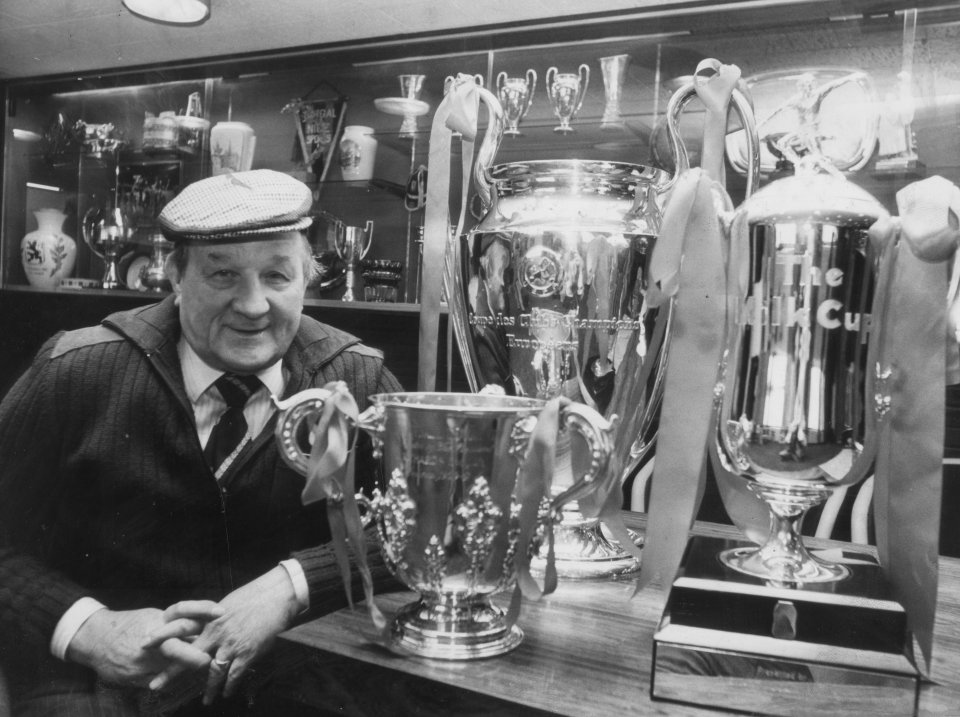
x=106 y=230
x=410 y=88
x=352 y=245
x=516 y=96
x=614 y=70
x=458 y=514
x=566 y=91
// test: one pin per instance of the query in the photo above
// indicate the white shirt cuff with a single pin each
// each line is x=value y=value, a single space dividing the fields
x=300 y=588
x=71 y=621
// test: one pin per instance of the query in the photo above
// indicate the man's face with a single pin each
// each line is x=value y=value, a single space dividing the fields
x=240 y=304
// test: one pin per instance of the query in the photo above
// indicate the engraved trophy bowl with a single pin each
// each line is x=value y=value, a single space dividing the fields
x=516 y=96
x=566 y=91
x=352 y=245
x=792 y=405
x=106 y=230
x=614 y=69
x=548 y=299
x=456 y=504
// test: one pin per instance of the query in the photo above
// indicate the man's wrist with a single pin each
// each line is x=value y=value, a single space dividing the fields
x=70 y=623
x=298 y=578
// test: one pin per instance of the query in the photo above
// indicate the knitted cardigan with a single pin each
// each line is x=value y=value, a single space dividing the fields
x=104 y=490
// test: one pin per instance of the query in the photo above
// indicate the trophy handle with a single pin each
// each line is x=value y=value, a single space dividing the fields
x=532 y=84
x=584 y=72
x=548 y=80
x=87 y=227
x=296 y=416
x=482 y=177
x=741 y=103
x=368 y=234
x=597 y=432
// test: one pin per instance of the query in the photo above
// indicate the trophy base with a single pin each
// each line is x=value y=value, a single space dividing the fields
x=512 y=133
x=463 y=632
x=751 y=561
x=729 y=640
x=907 y=165
x=585 y=553
x=563 y=130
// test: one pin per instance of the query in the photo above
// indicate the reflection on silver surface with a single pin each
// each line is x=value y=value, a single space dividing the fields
x=792 y=413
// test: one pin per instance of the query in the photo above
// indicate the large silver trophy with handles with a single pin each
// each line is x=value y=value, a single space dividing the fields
x=547 y=299
x=460 y=508
x=800 y=392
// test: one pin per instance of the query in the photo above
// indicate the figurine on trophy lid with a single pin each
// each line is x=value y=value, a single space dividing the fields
x=464 y=506
x=516 y=96
x=566 y=91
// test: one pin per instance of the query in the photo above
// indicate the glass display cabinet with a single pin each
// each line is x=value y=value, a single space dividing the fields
x=74 y=144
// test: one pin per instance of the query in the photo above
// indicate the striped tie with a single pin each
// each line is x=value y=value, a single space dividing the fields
x=232 y=426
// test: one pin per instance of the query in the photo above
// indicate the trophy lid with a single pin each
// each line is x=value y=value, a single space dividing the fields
x=816 y=197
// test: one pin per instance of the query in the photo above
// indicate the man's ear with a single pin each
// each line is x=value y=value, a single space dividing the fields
x=173 y=274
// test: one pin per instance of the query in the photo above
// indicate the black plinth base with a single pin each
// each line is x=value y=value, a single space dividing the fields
x=732 y=641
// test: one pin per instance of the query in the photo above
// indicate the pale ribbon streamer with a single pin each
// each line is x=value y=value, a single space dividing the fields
x=330 y=476
x=458 y=112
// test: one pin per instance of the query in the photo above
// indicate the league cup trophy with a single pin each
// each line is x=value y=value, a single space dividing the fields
x=515 y=95
x=566 y=91
x=352 y=245
x=548 y=299
x=614 y=68
x=461 y=512
x=410 y=88
x=800 y=390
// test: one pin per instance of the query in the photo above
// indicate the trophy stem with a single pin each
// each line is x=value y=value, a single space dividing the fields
x=783 y=558
x=445 y=627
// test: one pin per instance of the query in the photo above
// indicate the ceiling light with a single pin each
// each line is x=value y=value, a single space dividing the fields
x=177 y=12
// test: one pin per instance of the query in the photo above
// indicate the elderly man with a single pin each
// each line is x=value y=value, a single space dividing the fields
x=142 y=490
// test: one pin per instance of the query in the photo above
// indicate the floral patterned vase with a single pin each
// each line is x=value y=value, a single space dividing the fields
x=48 y=255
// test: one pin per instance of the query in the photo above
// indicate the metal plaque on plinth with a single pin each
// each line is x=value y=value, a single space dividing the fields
x=730 y=640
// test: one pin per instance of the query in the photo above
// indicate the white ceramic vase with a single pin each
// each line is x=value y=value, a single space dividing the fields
x=47 y=254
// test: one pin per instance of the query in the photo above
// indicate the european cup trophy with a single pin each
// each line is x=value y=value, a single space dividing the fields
x=106 y=230
x=515 y=95
x=548 y=299
x=566 y=91
x=460 y=513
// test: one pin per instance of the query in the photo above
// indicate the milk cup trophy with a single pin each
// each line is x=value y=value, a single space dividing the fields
x=352 y=245
x=456 y=508
x=614 y=68
x=800 y=391
x=516 y=95
x=566 y=91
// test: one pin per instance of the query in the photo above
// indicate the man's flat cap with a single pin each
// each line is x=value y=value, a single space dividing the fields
x=237 y=207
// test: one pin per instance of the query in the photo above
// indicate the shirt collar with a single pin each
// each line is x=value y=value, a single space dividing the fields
x=198 y=375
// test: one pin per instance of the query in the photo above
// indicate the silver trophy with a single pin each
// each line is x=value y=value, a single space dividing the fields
x=457 y=507
x=352 y=245
x=106 y=230
x=566 y=91
x=614 y=69
x=410 y=88
x=515 y=95
x=792 y=402
x=548 y=299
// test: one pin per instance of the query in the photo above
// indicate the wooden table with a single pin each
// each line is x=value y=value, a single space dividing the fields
x=586 y=651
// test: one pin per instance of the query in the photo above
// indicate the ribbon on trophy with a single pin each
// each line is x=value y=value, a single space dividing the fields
x=458 y=112
x=912 y=368
x=687 y=253
x=330 y=476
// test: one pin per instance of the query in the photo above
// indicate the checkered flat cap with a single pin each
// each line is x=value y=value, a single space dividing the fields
x=237 y=206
